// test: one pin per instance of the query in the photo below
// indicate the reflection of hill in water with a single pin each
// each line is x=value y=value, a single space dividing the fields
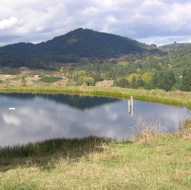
x=76 y=101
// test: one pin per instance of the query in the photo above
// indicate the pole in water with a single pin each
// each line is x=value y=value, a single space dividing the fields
x=130 y=105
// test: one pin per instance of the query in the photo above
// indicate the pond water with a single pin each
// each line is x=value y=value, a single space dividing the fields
x=38 y=117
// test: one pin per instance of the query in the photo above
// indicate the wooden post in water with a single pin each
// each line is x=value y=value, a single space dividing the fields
x=130 y=105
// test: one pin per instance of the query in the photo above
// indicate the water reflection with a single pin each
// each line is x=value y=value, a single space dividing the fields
x=40 y=117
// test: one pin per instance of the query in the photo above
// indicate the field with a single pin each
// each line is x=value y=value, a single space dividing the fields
x=19 y=78
x=16 y=77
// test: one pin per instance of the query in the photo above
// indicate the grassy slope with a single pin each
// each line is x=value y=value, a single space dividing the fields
x=151 y=161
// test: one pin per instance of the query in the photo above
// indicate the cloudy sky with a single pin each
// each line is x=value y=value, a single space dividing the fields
x=149 y=21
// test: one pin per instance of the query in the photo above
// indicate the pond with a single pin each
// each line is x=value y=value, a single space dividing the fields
x=35 y=117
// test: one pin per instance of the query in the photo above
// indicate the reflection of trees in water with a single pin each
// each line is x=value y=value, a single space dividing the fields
x=76 y=101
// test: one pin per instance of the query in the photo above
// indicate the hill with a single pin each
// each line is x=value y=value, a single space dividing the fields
x=77 y=44
x=176 y=46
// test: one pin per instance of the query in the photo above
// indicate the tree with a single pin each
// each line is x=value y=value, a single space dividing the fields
x=186 y=81
x=133 y=75
x=140 y=83
x=123 y=83
x=147 y=76
x=89 y=81
x=23 y=81
x=164 y=80
x=134 y=83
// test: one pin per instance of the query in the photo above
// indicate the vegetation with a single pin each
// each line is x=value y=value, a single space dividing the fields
x=74 y=47
x=151 y=160
x=186 y=82
x=80 y=43
x=51 y=79
x=49 y=147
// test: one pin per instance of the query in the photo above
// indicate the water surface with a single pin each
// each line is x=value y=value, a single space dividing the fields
x=39 y=117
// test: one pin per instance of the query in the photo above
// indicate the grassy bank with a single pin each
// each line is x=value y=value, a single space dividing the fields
x=148 y=161
x=159 y=96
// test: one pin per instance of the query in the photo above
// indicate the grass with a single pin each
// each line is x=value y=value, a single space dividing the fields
x=75 y=146
x=151 y=160
x=10 y=72
x=50 y=79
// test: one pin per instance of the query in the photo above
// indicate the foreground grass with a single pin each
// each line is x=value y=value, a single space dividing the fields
x=160 y=96
x=149 y=161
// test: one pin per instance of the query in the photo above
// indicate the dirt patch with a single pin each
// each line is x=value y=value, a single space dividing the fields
x=105 y=83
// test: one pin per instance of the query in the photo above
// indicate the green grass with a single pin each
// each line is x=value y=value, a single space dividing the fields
x=149 y=161
x=50 y=79
x=9 y=72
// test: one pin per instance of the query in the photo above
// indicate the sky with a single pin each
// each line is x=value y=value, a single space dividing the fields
x=149 y=21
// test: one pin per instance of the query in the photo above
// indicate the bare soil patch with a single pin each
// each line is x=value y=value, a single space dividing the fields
x=105 y=83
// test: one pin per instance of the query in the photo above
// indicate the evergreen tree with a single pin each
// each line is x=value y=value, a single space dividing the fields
x=134 y=83
x=186 y=80
x=164 y=80
x=140 y=83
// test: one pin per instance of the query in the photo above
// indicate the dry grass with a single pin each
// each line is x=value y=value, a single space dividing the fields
x=149 y=132
x=105 y=83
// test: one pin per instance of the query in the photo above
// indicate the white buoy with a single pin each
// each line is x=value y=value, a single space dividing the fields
x=12 y=108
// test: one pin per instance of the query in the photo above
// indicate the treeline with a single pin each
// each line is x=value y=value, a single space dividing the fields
x=35 y=61
x=160 y=80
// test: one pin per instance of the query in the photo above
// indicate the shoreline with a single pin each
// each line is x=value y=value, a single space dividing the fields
x=174 y=98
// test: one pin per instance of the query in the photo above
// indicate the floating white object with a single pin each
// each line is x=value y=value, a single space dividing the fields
x=12 y=108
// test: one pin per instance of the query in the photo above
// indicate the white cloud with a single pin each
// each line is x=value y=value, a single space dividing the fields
x=11 y=120
x=8 y=23
x=35 y=20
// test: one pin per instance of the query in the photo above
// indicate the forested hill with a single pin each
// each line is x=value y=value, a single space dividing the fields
x=81 y=43
x=176 y=46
